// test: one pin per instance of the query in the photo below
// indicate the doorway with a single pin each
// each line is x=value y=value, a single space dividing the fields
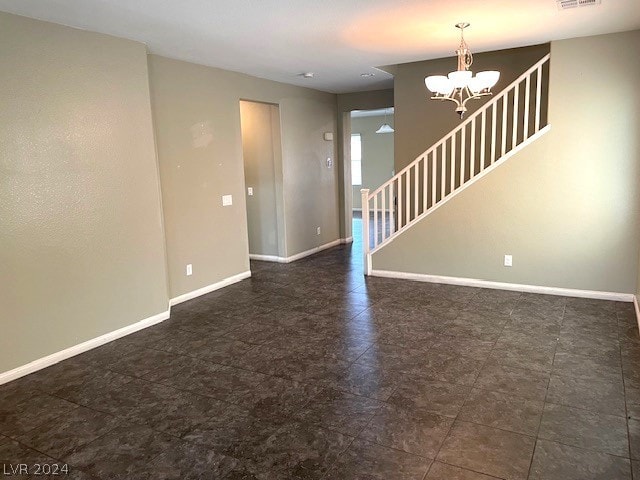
x=372 y=157
x=262 y=155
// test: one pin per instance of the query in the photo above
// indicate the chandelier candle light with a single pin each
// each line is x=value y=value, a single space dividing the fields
x=461 y=86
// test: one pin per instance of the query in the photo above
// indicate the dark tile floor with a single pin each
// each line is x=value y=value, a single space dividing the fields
x=311 y=371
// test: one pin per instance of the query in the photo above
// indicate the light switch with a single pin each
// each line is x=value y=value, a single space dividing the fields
x=227 y=200
x=508 y=261
x=250 y=191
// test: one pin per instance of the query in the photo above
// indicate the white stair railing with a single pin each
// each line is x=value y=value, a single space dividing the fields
x=497 y=130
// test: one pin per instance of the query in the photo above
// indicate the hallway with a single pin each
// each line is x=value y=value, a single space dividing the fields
x=310 y=371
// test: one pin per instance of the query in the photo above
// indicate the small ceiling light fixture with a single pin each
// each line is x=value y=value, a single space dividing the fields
x=367 y=74
x=308 y=74
x=567 y=4
x=461 y=86
x=385 y=127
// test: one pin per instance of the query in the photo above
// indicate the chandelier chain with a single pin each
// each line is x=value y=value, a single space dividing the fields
x=465 y=57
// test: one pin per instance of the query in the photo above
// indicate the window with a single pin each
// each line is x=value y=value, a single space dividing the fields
x=356 y=159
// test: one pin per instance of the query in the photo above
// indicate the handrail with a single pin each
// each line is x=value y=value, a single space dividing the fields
x=463 y=125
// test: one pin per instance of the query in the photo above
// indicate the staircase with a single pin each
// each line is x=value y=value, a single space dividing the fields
x=509 y=122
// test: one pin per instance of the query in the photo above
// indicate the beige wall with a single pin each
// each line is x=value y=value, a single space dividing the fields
x=81 y=242
x=197 y=171
x=263 y=174
x=377 y=154
x=567 y=207
x=311 y=188
x=368 y=100
x=347 y=102
x=421 y=122
x=638 y=286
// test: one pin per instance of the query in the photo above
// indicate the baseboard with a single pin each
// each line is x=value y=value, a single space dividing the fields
x=210 y=288
x=635 y=304
x=472 y=282
x=311 y=251
x=298 y=256
x=57 y=357
x=54 y=358
x=265 y=258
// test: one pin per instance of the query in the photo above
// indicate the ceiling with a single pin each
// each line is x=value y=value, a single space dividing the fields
x=338 y=40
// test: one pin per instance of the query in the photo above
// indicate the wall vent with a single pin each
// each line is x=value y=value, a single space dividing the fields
x=566 y=4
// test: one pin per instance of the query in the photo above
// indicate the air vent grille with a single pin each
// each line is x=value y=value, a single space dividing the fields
x=566 y=4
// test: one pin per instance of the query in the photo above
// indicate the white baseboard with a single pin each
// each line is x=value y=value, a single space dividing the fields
x=311 y=251
x=635 y=304
x=57 y=357
x=472 y=282
x=265 y=258
x=54 y=358
x=298 y=256
x=210 y=288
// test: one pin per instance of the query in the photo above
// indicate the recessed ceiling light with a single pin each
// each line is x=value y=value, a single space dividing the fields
x=367 y=74
x=567 y=4
x=308 y=74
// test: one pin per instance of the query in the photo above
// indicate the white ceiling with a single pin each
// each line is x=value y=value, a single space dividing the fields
x=336 y=39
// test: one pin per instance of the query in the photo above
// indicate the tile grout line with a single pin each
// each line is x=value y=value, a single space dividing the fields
x=544 y=403
x=466 y=470
x=624 y=389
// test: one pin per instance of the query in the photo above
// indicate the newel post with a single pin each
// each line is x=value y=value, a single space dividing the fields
x=365 y=230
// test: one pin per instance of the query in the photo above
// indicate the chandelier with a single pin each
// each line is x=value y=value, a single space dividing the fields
x=461 y=86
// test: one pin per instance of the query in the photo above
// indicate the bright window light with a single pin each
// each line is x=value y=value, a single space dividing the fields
x=356 y=159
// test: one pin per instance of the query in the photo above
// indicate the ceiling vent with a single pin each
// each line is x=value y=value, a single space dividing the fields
x=567 y=4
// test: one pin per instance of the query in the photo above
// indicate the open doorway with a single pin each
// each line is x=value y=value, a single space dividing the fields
x=372 y=157
x=262 y=154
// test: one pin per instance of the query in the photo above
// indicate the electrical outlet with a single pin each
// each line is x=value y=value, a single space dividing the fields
x=508 y=261
x=189 y=270
x=318 y=231
x=250 y=191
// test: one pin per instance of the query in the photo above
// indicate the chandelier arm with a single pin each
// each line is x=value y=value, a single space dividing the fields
x=479 y=95
x=450 y=98
x=470 y=96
